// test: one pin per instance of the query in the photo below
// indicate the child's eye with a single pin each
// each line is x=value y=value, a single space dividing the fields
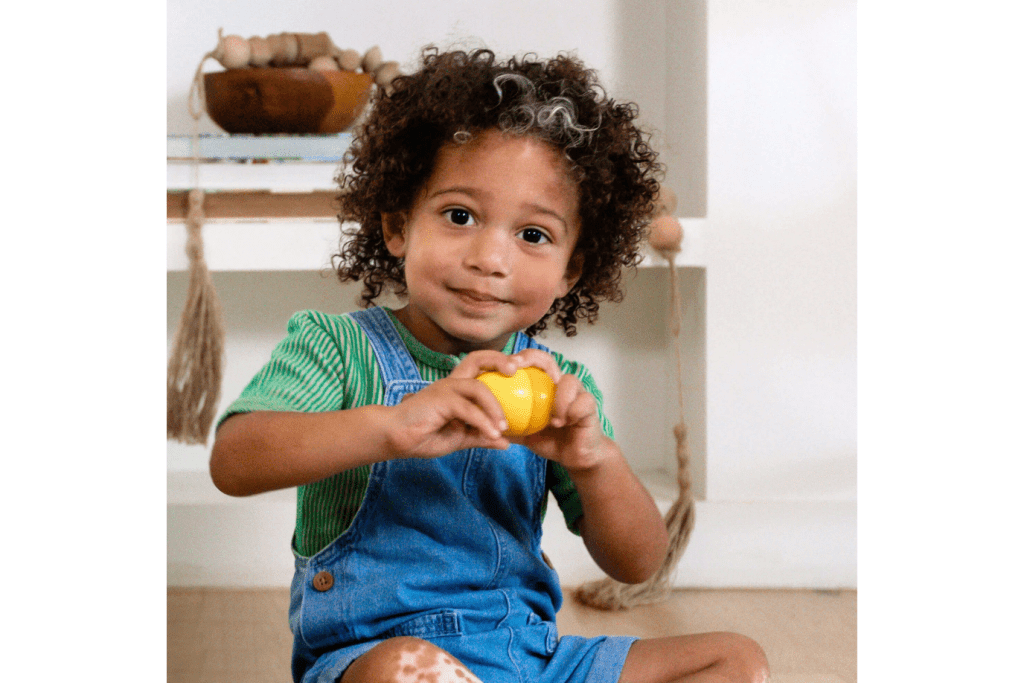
x=534 y=236
x=459 y=216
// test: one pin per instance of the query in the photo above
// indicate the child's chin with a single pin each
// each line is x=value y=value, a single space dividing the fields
x=479 y=336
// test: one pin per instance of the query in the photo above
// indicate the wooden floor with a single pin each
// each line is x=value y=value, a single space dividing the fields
x=229 y=636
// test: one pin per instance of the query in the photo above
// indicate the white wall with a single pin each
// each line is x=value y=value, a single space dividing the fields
x=753 y=108
x=782 y=254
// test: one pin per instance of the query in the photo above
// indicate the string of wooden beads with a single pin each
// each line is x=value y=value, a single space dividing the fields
x=666 y=237
x=314 y=51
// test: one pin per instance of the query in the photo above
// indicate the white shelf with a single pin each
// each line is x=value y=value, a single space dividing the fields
x=285 y=163
x=293 y=244
x=276 y=176
x=258 y=246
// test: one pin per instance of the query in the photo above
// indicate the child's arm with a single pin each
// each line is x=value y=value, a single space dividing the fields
x=621 y=526
x=263 y=451
x=268 y=450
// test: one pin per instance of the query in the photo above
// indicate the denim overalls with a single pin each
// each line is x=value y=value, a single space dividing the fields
x=444 y=549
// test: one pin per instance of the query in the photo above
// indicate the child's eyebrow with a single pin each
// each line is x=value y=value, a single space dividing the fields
x=473 y=192
x=458 y=189
x=549 y=212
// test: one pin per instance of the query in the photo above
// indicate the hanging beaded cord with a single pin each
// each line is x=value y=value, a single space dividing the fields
x=608 y=594
x=195 y=366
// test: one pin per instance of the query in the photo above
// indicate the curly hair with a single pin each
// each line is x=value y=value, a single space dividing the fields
x=457 y=94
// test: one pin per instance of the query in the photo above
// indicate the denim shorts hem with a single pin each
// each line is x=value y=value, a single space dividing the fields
x=331 y=667
x=609 y=659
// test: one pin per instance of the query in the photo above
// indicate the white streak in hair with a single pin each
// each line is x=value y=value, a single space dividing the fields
x=524 y=83
x=555 y=118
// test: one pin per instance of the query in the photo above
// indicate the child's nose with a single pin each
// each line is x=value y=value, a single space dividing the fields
x=488 y=252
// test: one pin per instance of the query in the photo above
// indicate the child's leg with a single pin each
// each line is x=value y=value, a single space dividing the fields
x=696 y=659
x=407 y=660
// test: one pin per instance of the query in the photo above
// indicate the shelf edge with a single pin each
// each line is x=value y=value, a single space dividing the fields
x=307 y=244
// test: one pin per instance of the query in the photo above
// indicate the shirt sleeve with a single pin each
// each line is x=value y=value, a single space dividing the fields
x=305 y=373
x=559 y=483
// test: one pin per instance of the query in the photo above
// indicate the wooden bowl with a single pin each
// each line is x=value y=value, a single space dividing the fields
x=285 y=100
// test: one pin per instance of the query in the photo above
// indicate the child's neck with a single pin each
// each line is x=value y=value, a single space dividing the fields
x=437 y=339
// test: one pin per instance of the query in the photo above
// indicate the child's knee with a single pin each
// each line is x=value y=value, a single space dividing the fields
x=745 y=658
x=407 y=660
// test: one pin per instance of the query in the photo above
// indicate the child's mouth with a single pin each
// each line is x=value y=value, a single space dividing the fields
x=475 y=297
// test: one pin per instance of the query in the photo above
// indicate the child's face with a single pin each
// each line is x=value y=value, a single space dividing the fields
x=488 y=243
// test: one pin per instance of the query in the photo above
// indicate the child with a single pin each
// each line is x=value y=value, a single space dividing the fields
x=493 y=198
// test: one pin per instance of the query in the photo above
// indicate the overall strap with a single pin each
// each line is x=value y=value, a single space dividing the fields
x=395 y=361
x=525 y=342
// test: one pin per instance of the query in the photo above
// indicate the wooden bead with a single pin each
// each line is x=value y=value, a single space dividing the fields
x=259 y=51
x=233 y=52
x=372 y=59
x=324 y=63
x=349 y=60
x=666 y=234
x=526 y=399
x=311 y=46
x=386 y=73
x=276 y=44
x=286 y=51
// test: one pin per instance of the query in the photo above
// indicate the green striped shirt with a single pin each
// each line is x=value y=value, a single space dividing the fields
x=326 y=363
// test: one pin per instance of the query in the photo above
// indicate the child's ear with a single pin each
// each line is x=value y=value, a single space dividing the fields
x=393 y=225
x=573 y=272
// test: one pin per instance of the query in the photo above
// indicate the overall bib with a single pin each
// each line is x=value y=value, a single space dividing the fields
x=445 y=549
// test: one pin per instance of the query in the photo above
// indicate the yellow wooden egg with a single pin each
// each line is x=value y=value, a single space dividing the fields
x=526 y=398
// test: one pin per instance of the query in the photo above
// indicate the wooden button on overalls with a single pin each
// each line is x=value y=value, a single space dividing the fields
x=323 y=581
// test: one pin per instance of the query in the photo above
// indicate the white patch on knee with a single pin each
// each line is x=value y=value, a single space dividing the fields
x=424 y=664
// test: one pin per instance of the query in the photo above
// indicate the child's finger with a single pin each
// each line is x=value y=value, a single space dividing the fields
x=484 y=400
x=536 y=358
x=479 y=361
x=472 y=414
x=582 y=407
x=567 y=390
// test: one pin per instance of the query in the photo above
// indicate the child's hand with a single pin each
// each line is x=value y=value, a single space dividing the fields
x=458 y=411
x=574 y=436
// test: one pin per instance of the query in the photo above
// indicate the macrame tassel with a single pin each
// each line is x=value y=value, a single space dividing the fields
x=194 y=370
x=608 y=594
